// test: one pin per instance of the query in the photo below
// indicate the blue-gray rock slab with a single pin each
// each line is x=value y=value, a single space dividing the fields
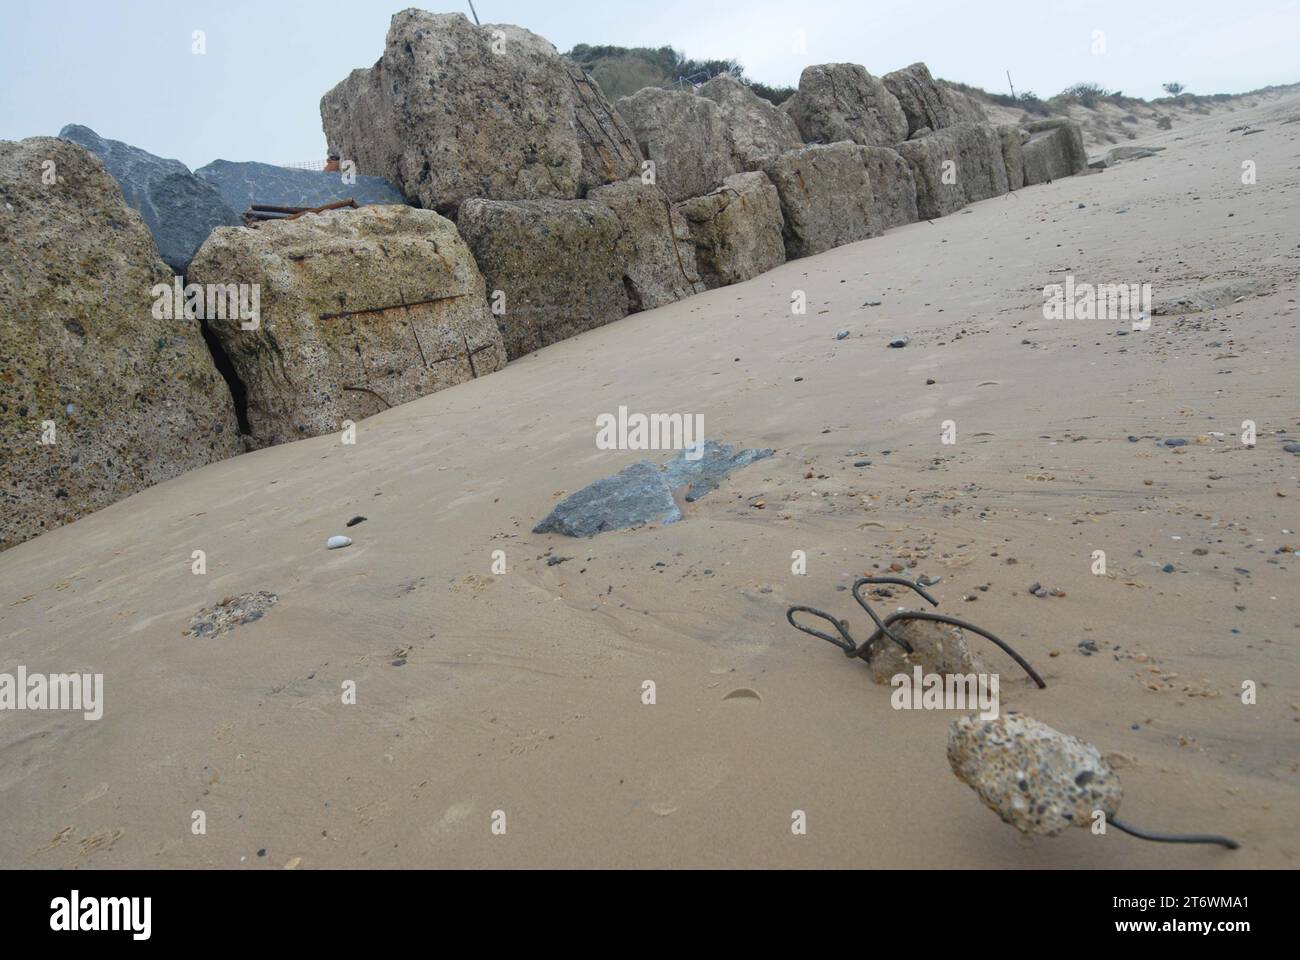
x=643 y=492
x=179 y=208
x=247 y=183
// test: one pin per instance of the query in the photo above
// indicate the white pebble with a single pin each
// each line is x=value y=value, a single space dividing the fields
x=338 y=543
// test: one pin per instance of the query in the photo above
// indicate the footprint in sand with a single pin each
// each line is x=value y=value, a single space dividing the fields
x=456 y=814
x=670 y=790
x=93 y=794
x=919 y=414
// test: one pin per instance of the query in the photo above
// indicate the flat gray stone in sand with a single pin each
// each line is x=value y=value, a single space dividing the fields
x=643 y=493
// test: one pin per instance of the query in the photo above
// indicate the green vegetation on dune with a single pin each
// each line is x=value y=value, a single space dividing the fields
x=622 y=71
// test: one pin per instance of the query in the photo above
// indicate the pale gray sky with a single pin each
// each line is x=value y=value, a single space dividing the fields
x=125 y=67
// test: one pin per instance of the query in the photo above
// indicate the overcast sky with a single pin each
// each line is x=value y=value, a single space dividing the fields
x=125 y=67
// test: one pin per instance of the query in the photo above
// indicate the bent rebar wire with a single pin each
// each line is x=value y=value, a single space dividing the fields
x=1175 y=837
x=868 y=648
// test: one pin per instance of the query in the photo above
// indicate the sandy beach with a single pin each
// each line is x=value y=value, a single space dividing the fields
x=484 y=699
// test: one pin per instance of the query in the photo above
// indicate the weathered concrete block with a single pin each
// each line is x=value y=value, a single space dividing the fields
x=1013 y=141
x=655 y=248
x=956 y=166
x=555 y=263
x=893 y=187
x=360 y=310
x=453 y=111
x=736 y=229
x=758 y=128
x=686 y=137
x=937 y=648
x=928 y=104
x=101 y=393
x=1035 y=778
x=1055 y=149
x=826 y=197
x=842 y=101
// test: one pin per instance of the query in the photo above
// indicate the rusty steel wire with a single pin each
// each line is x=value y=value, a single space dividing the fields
x=866 y=650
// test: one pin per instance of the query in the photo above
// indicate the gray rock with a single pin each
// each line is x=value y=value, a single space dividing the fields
x=686 y=137
x=826 y=197
x=631 y=498
x=134 y=397
x=643 y=492
x=453 y=111
x=704 y=475
x=360 y=310
x=736 y=229
x=1055 y=149
x=1035 y=778
x=179 y=208
x=757 y=127
x=967 y=154
x=893 y=188
x=244 y=184
x=928 y=103
x=842 y=101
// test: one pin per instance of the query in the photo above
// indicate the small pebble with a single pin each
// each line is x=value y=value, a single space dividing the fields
x=338 y=543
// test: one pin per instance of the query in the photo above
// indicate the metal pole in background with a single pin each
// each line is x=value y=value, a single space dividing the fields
x=1009 y=83
x=475 y=12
